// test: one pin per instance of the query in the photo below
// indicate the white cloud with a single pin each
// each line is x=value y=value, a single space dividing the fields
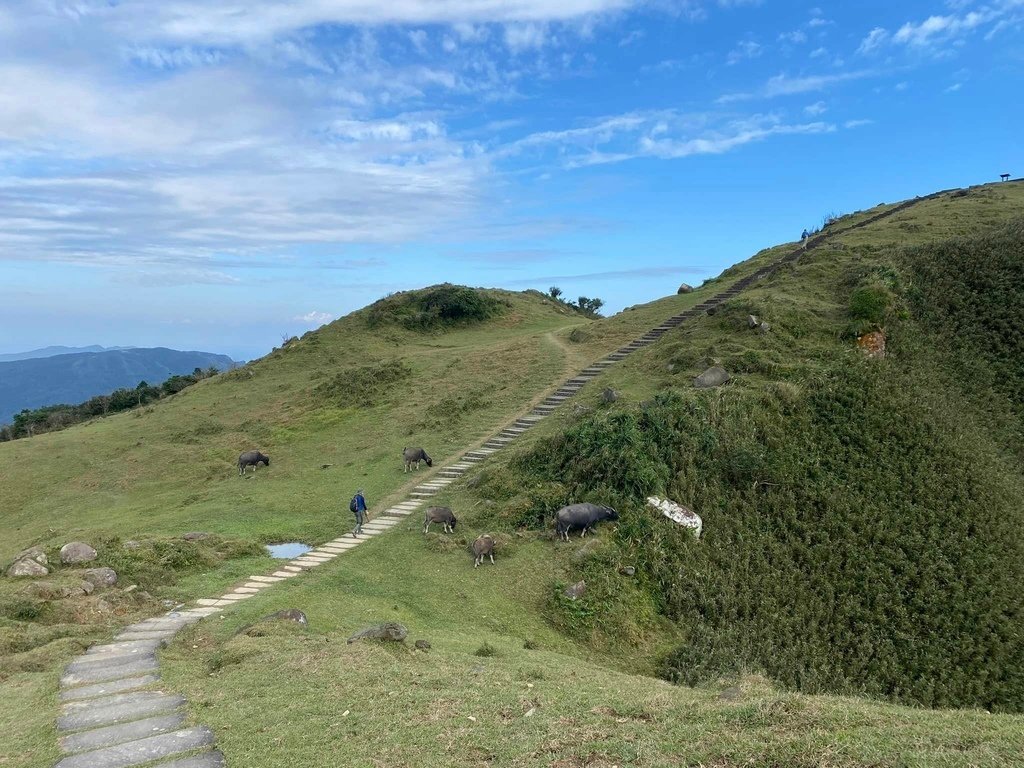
x=314 y=318
x=796 y=37
x=746 y=49
x=818 y=108
x=661 y=134
x=876 y=38
x=819 y=52
x=521 y=37
x=850 y=124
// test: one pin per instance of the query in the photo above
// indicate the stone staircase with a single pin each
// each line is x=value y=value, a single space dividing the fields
x=113 y=714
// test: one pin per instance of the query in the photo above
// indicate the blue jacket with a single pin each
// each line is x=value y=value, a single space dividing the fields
x=360 y=502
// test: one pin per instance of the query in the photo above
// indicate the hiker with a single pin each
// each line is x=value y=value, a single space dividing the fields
x=358 y=508
x=804 y=238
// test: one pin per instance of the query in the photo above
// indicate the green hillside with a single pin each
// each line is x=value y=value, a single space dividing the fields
x=861 y=548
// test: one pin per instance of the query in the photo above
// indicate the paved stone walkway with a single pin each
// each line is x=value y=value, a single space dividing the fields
x=113 y=712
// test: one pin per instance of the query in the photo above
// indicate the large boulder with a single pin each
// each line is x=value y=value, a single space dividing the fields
x=714 y=376
x=389 y=631
x=76 y=552
x=677 y=513
x=101 y=577
x=609 y=395
x=752 y=321
x=27 y=567
x=33 y=553
x=685 y=288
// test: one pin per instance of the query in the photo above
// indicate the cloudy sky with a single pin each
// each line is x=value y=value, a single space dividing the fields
x=216 y=175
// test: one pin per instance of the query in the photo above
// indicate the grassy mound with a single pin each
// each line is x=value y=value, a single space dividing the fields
x=435 y=308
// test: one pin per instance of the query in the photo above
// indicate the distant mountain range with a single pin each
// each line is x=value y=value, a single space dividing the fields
x=33 y=354
x=38 y=378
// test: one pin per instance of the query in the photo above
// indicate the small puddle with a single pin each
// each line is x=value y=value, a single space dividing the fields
x=288 y=550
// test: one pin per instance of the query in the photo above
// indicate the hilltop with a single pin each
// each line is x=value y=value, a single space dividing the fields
x=860 y=536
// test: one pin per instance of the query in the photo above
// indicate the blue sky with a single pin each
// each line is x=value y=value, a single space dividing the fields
x=219 y=175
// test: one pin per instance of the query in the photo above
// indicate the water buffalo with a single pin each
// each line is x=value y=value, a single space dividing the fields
x=441 y=515
x=581 y=516
x=251 y=459
x=483 y=547
x=415 y=456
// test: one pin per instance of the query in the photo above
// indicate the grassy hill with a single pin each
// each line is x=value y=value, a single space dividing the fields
x=862 y=524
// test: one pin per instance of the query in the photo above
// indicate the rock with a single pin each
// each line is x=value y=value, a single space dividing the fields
x=83 y=587
x=671 y=367
x=711 y=311
x=132 y=544
x=390 y=631
x=872 y=344
x=46 y=590
x=763 y=327
x=610 y=395
x=288 y=614
x=677 y=513
x=27 y=567
x=32 y=553
x=195 y=536
x=685 y=288
x=76 y=552
x=712 y=377
x=101 y=577
x=752 y=321
x=576 y=591
x=423 y=645
x=578 y=409
x=627 y=570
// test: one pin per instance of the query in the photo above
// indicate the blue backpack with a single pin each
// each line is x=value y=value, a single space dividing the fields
x=353 y=506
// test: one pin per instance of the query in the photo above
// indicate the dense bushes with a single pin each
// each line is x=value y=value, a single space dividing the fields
x=858 y=537
x=434 y=308
x=970 y=295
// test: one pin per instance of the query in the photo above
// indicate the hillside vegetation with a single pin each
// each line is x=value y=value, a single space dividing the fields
x=861 y=547
x=73 y=378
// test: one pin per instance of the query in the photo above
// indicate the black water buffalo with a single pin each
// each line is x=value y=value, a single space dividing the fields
x=441 y=515
x=415 y=456
x=583 y=516
x=483 y=547
x=251 y=459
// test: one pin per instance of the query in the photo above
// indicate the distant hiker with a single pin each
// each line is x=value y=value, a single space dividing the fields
x=804 y=238
x=358 y=508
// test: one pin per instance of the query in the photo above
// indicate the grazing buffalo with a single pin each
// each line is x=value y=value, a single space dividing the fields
x=251 y=459
x=483 y=547
x=415 y=456
x=581 y=516
x=441 y=515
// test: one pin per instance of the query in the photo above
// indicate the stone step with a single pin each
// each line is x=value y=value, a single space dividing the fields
x=141 y=751
x=265 y=579
x=118 y=708
x=106 y=689
x=103 y=674
x=125 y=646
x=121 y=732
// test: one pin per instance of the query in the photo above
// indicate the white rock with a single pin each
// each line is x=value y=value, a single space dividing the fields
x=677 y=513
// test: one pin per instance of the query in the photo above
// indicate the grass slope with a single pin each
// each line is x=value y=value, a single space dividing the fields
x=278 y=696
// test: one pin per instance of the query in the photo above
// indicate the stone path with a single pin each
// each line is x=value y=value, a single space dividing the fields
x=113 y=713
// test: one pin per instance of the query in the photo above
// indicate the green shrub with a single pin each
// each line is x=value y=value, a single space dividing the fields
x=486 y=650
x=434 y=308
